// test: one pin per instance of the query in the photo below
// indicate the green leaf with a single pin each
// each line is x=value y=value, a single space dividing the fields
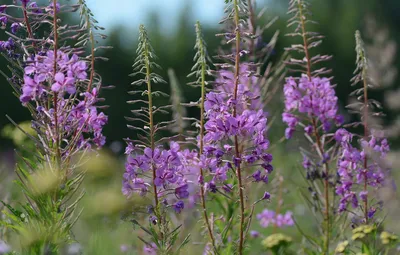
x=365 y=249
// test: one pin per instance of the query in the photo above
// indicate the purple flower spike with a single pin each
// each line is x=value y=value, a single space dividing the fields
x=309 y=99
x=352 y=173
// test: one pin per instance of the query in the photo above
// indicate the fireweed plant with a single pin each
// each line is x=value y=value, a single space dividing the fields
x=311 y=104
x=341 y=174
x=150 y=168
x=55 y=80
x=218 y=164
x=234 y=145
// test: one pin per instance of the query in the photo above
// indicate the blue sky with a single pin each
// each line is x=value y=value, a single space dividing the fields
x=133 y=12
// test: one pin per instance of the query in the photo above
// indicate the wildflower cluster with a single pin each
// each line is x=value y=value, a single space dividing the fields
x=270 y=218
x=311 y=102
x=249 y=126
x=62 y=94
x=248 y=86
x=314 y=98
x=353 y=172
x=173 y=166
x=76 y=111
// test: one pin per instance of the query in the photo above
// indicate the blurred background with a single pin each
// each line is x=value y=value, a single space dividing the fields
x=170 y=24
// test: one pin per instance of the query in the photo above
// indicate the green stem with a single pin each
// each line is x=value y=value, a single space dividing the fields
x=237 y=151
x=151 y=124
x=365 y=124
x=203 y=93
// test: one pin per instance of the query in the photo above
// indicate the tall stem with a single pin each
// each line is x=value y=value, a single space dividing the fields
x=26 y=20
x=237 y=151
x=203 y=93
x=316 y=134
x=55 y=98
x=365 y=124
x=151 y=124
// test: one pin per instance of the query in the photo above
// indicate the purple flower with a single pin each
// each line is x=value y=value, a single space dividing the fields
x=150 y=249
x=124 y=248
x=63 y=83
x=32 y=88
x=284 y=220
x=178 y=206
x=257 y=176
x=363 y=195
x=172 y=167
x=267 y=218
x=266 y=196
x=15 y=27
x=254 y=234
x=227 y=188
x=24 y=2
x=248 y=89
x=77 y=68
x=3 y=8
x=4 y=248
x=50 y=8
x=153 y=219
x=182 y=191
x=352 y=173
x=308 y=130
x=222 y=126
x=130 y=148
x=371 y=212
x=35 y=8
x=306 y=162
x=343 y=136
x=309 y=99
x=3 y=21
x=211 y=187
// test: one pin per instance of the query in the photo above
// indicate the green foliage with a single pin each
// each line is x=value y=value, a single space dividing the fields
x=178 y=110
x=45 y=221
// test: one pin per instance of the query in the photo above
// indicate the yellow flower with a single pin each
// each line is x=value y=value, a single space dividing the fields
x=357 y=236
x=341 y=247
x=387 y=238
x=368 y=229
x=361 y=231
x=276 y=240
